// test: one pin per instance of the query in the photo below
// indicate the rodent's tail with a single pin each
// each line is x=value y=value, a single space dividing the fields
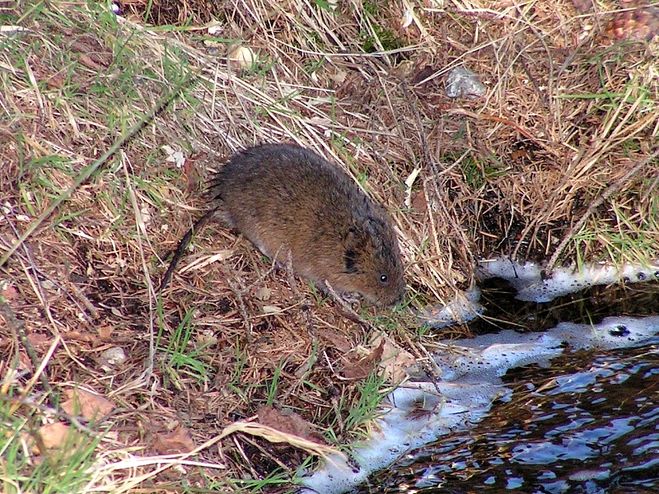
x=182 y=245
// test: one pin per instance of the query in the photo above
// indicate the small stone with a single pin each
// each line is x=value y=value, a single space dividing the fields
x=263 y=293
x=242 y=56
x=463 y=83
x=113 y=356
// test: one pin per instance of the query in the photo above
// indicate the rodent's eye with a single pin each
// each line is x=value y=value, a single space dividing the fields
x=383 y=278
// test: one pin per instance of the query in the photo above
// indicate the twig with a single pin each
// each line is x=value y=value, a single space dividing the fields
x=18 y=329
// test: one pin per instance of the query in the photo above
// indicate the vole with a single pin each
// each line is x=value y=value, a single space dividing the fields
x=298 y=208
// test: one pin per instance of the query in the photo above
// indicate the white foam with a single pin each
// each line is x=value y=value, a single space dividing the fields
x=464 y=308
x=528 y=281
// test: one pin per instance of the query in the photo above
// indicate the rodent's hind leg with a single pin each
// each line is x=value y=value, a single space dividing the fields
x=283 y=261
x=290 y=274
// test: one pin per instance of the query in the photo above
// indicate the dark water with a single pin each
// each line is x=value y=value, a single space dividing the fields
x=589 y=424
x=588 y=306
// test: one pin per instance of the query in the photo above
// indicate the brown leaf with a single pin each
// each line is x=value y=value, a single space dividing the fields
x=52 y=436
x=520 y=155
x=80 y=336
x=289 y=423
x=395 y=360
x=355 y=86
x=419 y=201
x=87 y=404
x=191 y=173
x=24 y=361
x=90 y=63
x=93 y=54
x=174 y=442
x=582 y=6
x=105 y=333
x=422 y=74
x=39 y=341
x=638 y=24
x=362 y=368
x=335 y=339
x=56 y=81
x=8 y=292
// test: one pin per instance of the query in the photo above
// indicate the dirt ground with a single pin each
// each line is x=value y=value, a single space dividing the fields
x=555 y=162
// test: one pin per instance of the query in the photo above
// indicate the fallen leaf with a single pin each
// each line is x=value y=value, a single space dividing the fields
x=174 y=442
x=271 y=309
x=276 y=436
x=408 y=17
x=582 y=6
x=92 y=54
x=105 y=332
x=637 y=24
x=206 y=338
x=8 y=292
x=419 y=202
x=394 y=360
x=56 y=81
x=338 y=75
x=422 y=74
x=242 y=56
x=215 y=29
x=334 y=338
x=89 y=405
x=52 y=436
x=24 y=361
x=204 y=261
x=361 y=368
x=112 y=357
x=288 y=423
x=409 y=182
x=174 y=156
x=191 y=174
x=520 y=155
x=91 y=63
x=39 y=341
x=263 y=293
x=80 y=336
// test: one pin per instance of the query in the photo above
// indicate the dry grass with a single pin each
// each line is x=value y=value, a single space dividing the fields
x=569 y=119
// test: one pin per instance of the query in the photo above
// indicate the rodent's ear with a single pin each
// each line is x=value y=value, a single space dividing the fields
x=354 y=242
x=350 y=260
x=357 y=236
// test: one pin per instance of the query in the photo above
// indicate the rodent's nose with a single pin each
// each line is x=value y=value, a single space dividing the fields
x=393 y=300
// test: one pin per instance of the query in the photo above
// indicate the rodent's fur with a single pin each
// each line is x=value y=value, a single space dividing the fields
x=289 y=201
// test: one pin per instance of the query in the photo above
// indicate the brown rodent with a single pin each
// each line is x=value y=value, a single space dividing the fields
x=289 y=201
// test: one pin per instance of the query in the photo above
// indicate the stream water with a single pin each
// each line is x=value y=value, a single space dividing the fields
x=587 y=424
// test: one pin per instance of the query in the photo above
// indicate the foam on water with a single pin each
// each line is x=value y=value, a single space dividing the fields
x=465 y=307
x=418 y=413
x=527 y=278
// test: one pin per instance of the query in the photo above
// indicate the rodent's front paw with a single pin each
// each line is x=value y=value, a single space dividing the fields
x=351 y=297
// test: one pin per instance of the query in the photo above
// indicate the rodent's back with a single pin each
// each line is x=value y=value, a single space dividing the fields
x=285 y=198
